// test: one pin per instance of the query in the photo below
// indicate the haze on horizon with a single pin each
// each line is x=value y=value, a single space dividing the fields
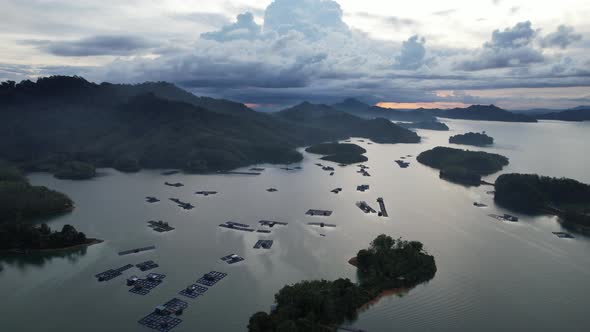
x=270 y=54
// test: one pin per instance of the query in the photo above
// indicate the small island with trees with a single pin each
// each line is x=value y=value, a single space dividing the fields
x=462 y=166
x=427 y=125
x=322 y=305
x=339 y=153
x=531 y=193
x=475 y=139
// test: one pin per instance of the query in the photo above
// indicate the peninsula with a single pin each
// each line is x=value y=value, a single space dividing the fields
x=339 y=153
x=475 y=139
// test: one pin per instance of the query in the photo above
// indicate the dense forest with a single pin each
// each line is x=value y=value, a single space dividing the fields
x=532 y=193
x=339 y=153
x=21 y=201
x=50 y=123
x=476 y=139
x=24 y=237
x=322 y=305
x=462 y=166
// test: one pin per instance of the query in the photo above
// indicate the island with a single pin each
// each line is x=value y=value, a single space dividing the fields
x=322 y=305
x=462 y=166
x=427 y=125
x=339 y=152
x=22 y=238
x=75 y=170
x=531 y=193
x=475 y=139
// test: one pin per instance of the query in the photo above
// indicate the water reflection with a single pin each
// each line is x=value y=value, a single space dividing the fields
x=22 y=262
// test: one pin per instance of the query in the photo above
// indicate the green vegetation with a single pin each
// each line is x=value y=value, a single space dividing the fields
x=322 y=305
x=339 y=153
x=476 y=139
x=428 y=125
x=463 y=166
x=21 y=237
x=75 y=170
x=61 y=119
x=20 y=200
x=532 y=193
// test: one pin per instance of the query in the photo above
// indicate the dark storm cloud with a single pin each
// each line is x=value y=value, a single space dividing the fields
x=562 y=38
x=95 y=45
x=412 y=53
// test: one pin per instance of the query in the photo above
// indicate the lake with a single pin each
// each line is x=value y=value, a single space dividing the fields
x=491 y=275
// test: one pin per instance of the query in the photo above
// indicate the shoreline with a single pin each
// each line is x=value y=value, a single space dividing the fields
x=88 y=243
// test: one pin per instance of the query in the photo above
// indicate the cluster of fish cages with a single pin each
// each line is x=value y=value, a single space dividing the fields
x=164 y=317
x=160 y=226
x=144 y=286
x=232 y=259
x=136 y=251
x=193 y=291
x=206 y=193
x=151 y=199
x=211 y=278
x=146 y=266
x=271 y=223
x=324 y=213
x=263 y=244
x=112 y=273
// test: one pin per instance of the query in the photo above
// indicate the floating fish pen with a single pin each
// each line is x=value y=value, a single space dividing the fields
x=480 y=205
x=362 y=188
x=271 y=223
x=193 y=291
x=287 y=169
x=184 y=205
x=365 y=207
x=160 y=226
x=363 y=172
x=112 y=273
x=321 y=224
x=176 y=185
x=147 y=265
x=320 y=165
x=328 y=168
x=362 y=166
x=257 y=169
x=332 y=174
x=563 y=235
x=298 y=167
x=272 y=190
x=232 y=259
x=135 y=251
x=151 y=199
x=236 y=226
x=206 y=193
x=263 y=231
x=263 y=244
x=383 y=212
x=323 y=213
x=211 y=278
x=336 y=191
x=172 y=172
x=402 y=164
x=146 y=285
x=163 y=317
x=505 y=217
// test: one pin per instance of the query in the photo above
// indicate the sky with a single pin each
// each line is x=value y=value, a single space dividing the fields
x=269 y=54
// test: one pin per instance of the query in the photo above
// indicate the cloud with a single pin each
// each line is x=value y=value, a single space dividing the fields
x=445 y=12
x=562 y=38
x=412 y=53
x=211 y=19
x=518 y=36
x=243 y=28
x=396 y=21
x=94 y=46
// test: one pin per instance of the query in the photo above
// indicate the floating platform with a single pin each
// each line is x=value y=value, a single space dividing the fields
x=135 y=251
x=332 y=174
x=402 y=164
x=163 y=317
x=336 y=191
x=320 y=165
x=365 y=207
x=505 y=217
x=363 y=172
x=480 y=205
x=363 y=187
x=272 y=190
x=324 y=213
x=112 y=273
x=160 y=226
x=271 y=223
x=383 y=212
x=264 y=244
x=206 y=193
x=232 y=259
x=321 y=224
x=236 y=226
x=563 y=235
x=184 y=205
x=287 y=169
x=263 y=231
x=147 y=265
x=151 y=199
x=176 y=185
x=193 y=291
x=211 y=278
x=257 y=169
x=146 y=285
x=171 y=172
x=328 y=168
x=363 y=166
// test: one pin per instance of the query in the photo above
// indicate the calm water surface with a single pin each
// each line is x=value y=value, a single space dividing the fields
x=491 y=276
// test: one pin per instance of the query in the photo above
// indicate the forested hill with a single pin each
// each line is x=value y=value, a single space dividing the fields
x=60 y=119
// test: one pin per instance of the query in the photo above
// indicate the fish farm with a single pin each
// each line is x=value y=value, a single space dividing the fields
x=144 y=286
x=172 y=172
x=193 y=291
x=151 y=199
x=136 y=251
x=176 y=185
x=160 y=226
x=365 y=207
x=271 y=224
x=264 y=244
x=206 y=193
x=112 y=274
x=211 y=278
x=337 y=190
x=383 y=212
x=146 y=266
x=272 y=190
x=563 y=235
x=321 y=224
x=161 y=318
x=184 y=205
x=324 y=213
x=362 y=188
x=236 y=226
x=232 y=259
x=402 y=164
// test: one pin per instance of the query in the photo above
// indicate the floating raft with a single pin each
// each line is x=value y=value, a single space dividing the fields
x=321 y=224
x=263 y=231
x=264 y=244
x=160 y=226
x=193 y=291
x=144 y=286
x=147 y=265
x=563 y=235
x=328 y=168
x=237 y=226
x=402 y=164
x=161 y=318
x=337 y=190
x=481 y=205
x=272 y=190
x=232 y=259
x=505 y=217
x=112 y=273
x=206 y=193
x=184 y=205
x=271 y=223
x=362 y=188
x=365 y=207
x=257 y=169
x=383 y=212
x=171 y=172
x=135 y=251
x=325 y=213
x=151 y=199
x=211 y=278
x=176 y=185
x=363 y=172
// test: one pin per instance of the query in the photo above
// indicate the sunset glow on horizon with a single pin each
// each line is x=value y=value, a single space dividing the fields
x=393 y=105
